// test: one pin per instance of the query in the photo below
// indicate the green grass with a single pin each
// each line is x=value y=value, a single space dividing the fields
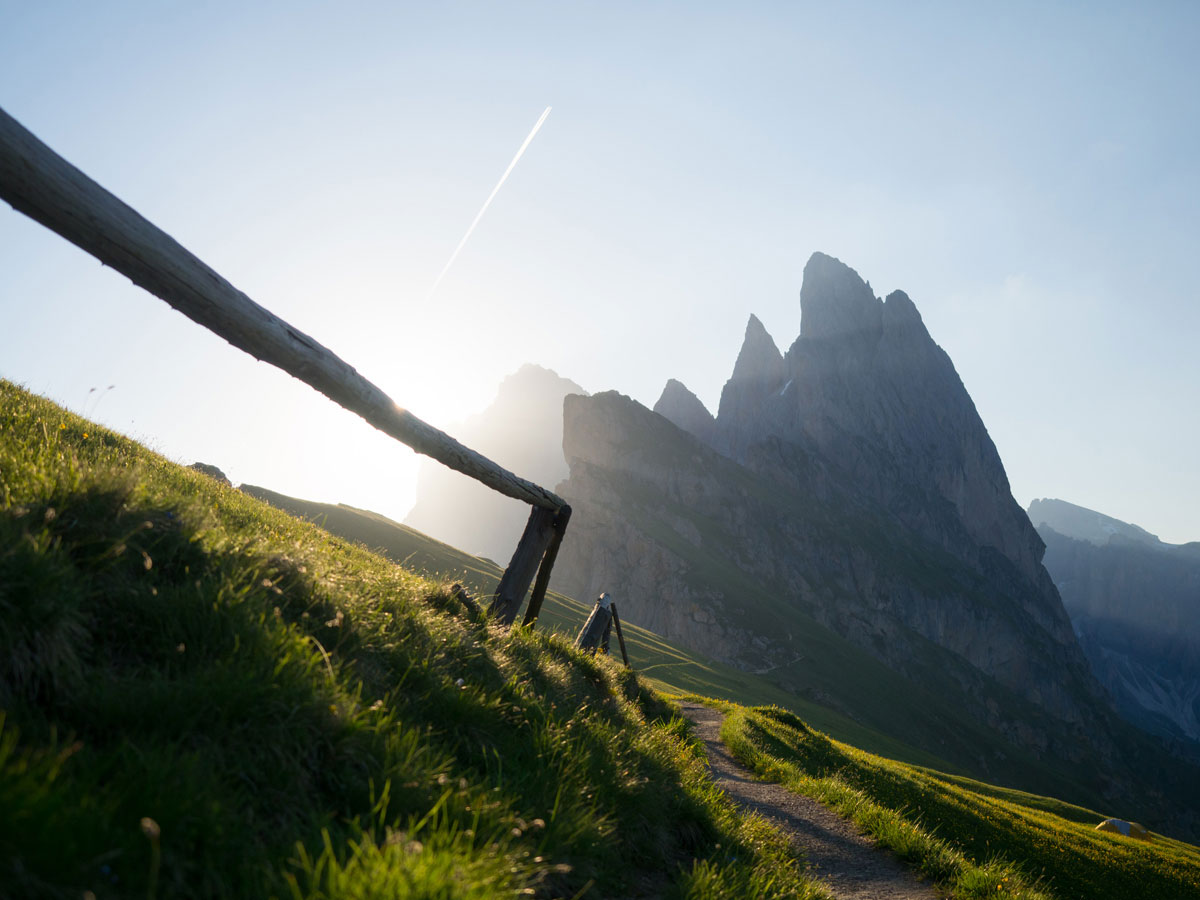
x=661 y=664
x=973 y=839
x=201 y=696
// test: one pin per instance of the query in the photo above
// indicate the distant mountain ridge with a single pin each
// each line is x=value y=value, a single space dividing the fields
x=1084 y=524
x=847 y=495
x=1134 y=602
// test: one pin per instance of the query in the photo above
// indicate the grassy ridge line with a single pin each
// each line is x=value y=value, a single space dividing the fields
x=671 y=669
x=973 y=839
x=202 y=696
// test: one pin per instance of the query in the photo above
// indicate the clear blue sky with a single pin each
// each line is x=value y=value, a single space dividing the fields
x=1028 y=173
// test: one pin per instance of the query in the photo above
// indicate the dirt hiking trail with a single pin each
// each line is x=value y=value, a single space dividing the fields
x=849 y=864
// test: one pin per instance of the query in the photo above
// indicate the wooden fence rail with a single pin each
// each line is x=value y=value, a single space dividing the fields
x=41 y=184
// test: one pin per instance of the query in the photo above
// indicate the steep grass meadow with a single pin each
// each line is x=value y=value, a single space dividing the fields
x=668 y=667
x=201 y=696
x=973 y=839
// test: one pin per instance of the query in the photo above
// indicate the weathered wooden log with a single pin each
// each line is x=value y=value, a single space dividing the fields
x=543 y=577
x=41 y=184
x=593 y=629
x=539 y=531
x=620 y=636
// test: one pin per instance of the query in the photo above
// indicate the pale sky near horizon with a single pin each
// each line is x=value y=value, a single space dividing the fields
x=1029 y=173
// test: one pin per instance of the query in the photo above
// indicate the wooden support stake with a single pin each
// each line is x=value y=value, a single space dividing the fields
x=47 y=188
x=510 y=593
x=593 y=629
x=543 y=576
x=620 y=636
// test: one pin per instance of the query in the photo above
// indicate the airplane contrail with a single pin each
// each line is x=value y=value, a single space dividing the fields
x=488 y=202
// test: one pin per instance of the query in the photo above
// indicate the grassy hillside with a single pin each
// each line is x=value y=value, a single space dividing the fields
x=657 y=661
x=201 y=696
x=974 y=839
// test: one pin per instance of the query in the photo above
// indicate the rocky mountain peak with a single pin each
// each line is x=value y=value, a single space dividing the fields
x=900 y=312
x=835 y=302
x=758 y=372
x=681 y=406
x=852 y=486
x=759 y=358
x=533 y=387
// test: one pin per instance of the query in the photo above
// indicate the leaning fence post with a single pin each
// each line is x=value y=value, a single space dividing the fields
x=620 y=636
x=41 y=184
x=593 y=629
x=539 y=531
x=543 y=576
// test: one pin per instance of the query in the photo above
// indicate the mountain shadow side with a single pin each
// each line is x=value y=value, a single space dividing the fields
x=844 y=526
x=1134 y=602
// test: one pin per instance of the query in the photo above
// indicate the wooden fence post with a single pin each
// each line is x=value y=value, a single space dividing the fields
x=543 y=576
x=597 y=623
x=47 y=188
x=539 y=531
x=620 y=636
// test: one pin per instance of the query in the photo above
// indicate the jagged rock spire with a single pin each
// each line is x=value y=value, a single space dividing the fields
x=759 y=357
x=758 y=372
x=835 y=302
x=685 y=409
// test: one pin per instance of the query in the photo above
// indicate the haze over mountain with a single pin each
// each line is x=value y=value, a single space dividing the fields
x=846 y=512
x=522 y=431
x=844 y=527
x=1085 y=524
x=1134 y=602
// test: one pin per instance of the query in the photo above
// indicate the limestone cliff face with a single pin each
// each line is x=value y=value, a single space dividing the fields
x=696 y=544
x=866 y=386
x=679 y=405
x=758 y=374
x=865 y=389
x=1134 y=602
x=847 y=495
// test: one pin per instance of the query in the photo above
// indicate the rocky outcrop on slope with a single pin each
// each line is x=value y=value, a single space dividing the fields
x=212 y=472
x=679 y=405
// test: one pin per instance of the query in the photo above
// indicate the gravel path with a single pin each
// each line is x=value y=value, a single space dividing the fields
x=847 y=862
